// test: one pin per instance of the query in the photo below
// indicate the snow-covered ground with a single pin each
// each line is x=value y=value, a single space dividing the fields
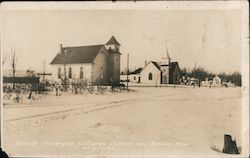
x=147 y=121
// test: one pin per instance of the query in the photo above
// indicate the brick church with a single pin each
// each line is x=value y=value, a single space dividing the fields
x=97 y=64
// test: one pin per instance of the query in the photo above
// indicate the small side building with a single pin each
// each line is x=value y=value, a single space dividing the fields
x=135 y=76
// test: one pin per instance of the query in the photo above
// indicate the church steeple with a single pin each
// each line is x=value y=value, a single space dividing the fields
x=166 y=58
x=113 y=44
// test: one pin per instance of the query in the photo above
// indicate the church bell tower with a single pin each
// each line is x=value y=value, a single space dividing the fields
x=165 y=65
x=113 y=47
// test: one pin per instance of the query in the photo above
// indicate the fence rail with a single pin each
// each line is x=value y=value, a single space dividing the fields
x=31 y=80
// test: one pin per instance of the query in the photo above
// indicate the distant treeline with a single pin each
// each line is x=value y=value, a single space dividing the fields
x=202 y=74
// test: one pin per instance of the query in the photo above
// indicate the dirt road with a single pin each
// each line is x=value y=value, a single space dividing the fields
x=150 y=121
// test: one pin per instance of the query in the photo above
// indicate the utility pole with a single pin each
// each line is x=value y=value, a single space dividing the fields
x=44 y=69
x=113 y=70
x=13 y=62
x=127 y=70
x=64 y=67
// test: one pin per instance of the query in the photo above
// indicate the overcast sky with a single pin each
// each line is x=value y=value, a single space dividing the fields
x=211 y=38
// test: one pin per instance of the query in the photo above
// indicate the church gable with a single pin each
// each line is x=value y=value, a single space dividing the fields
x=153 y=66
x=151 y=73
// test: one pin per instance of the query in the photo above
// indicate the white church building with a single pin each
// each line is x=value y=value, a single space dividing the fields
x=163 y=72
x=97 y=64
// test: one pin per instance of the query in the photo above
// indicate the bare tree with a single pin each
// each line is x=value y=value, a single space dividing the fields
x=64 y=79
x=13 y=58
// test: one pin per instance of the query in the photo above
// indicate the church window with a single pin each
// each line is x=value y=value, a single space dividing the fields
x=81 y=73
x=59 y=73
x=150 y=76
x=134 y=78
x=70 y=72
x=102 y=73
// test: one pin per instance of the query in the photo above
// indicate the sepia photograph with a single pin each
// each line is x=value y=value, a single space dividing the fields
x=125 y=79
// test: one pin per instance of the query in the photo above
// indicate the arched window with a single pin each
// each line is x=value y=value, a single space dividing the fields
x=81 y=73
x=59 y=73
x=150 y=76
x=70 y=72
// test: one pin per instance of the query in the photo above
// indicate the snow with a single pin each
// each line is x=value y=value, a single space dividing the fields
x=148 y=121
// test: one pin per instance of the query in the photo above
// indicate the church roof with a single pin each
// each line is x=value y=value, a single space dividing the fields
x=157 y=65
x=77 y=55
x=112 y=40
x=137 y=71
